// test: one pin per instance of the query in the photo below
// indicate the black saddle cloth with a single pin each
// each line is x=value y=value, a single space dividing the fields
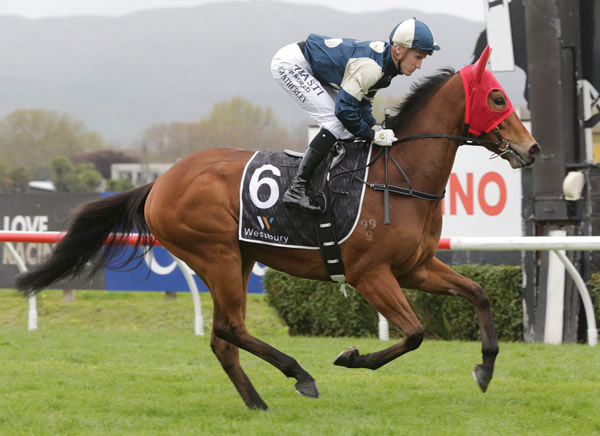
x=265 y=219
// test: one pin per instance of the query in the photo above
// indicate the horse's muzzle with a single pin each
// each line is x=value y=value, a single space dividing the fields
x=534 y=150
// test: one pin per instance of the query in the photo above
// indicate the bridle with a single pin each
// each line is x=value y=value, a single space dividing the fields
x=502 y=146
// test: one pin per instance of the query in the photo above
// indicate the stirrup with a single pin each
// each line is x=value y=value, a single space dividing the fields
x=300 y=200
x=304 y=203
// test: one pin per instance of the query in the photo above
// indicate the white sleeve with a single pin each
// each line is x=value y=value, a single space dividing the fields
x=360 y=76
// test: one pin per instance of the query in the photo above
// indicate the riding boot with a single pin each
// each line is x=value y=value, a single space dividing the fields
x=297 y=193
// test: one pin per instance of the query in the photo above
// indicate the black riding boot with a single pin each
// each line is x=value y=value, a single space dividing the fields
x=297 y=193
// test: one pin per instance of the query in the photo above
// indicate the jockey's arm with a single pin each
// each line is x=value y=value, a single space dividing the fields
x=353 y=107
x=366 y=111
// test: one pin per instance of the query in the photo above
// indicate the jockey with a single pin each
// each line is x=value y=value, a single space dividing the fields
x=334 y=80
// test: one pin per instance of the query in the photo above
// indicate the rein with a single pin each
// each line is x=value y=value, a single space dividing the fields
x=502 y=145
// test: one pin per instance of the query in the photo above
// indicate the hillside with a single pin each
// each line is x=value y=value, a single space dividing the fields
x=122 y=74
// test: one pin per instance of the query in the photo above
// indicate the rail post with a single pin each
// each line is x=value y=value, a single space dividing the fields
x=32 y=315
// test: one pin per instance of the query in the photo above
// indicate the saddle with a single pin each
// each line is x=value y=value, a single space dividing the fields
x=339 y=184
x=318 y=186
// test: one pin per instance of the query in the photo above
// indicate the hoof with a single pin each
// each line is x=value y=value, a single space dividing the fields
x=482 y=376
x=308 y=389
x=347 y=358
x=261 y=405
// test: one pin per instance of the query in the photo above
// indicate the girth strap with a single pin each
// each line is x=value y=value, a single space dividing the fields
x=330 y=249
x=325 y=224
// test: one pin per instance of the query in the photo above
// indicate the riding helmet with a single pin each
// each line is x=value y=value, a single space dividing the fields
x=413 y=33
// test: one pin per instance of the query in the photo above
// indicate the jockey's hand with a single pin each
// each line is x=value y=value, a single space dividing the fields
x=384 y=137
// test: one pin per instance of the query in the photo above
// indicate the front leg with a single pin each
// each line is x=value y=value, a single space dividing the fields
x=381 y=289
x=438 y=278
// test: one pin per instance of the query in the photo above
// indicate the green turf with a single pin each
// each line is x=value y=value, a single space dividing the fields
x=128 y=311
x=112 y=363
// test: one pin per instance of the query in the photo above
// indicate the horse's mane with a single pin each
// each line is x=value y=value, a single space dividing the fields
x=420 y=93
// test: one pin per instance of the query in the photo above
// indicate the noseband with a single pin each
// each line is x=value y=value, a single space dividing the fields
x=504 y=147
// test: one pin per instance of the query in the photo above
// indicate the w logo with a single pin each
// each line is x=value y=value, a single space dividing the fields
x=265 y=223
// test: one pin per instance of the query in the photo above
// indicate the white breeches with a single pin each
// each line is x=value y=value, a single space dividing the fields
x=291 y=70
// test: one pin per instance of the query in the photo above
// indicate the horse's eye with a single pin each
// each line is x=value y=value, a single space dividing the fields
x=499 y=101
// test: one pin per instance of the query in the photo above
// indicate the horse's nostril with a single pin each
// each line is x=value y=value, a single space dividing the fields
x=534 y=150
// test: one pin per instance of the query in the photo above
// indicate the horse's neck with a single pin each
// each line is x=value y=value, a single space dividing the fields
x=431 y=160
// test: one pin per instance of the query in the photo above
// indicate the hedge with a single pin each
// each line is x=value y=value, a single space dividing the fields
x=594 y=290
x=316 y=308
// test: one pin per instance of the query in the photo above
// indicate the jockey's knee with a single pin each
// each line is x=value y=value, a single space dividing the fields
x=323 y=141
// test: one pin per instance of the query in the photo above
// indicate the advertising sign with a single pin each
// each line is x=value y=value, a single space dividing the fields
x=483 y=196
x=39 y=212
x=158 y=271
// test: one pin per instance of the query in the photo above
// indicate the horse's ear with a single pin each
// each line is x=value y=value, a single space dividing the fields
x=481 y=63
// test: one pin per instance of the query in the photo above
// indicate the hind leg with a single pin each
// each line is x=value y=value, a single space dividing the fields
x=229 y=326
x=229 y=296
x=229 y=357
x=438 y=278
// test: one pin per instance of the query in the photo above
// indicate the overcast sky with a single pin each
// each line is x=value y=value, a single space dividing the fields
x=34 y=9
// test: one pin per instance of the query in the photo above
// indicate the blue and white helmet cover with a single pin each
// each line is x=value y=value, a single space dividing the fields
x=413 y=33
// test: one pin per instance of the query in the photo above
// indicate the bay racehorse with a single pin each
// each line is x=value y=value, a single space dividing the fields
x=193 y=211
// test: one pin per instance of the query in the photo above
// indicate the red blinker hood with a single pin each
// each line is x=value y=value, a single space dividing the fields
x=478 y=83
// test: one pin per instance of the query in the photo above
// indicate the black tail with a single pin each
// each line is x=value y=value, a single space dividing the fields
x=90 y=227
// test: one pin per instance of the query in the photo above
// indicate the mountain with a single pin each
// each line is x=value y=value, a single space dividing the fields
x=120 y=75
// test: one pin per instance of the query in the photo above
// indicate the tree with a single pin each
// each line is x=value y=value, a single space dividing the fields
x=4 y=181
x=169 y=142
x=33 y=138
x=89 y=179
x=18 y=179
x=239 y=123
x=70 y=177
x=234 y=123
x=13 y=179
x=118 y=185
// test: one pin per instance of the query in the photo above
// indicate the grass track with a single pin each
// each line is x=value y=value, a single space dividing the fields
x=135 y=367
